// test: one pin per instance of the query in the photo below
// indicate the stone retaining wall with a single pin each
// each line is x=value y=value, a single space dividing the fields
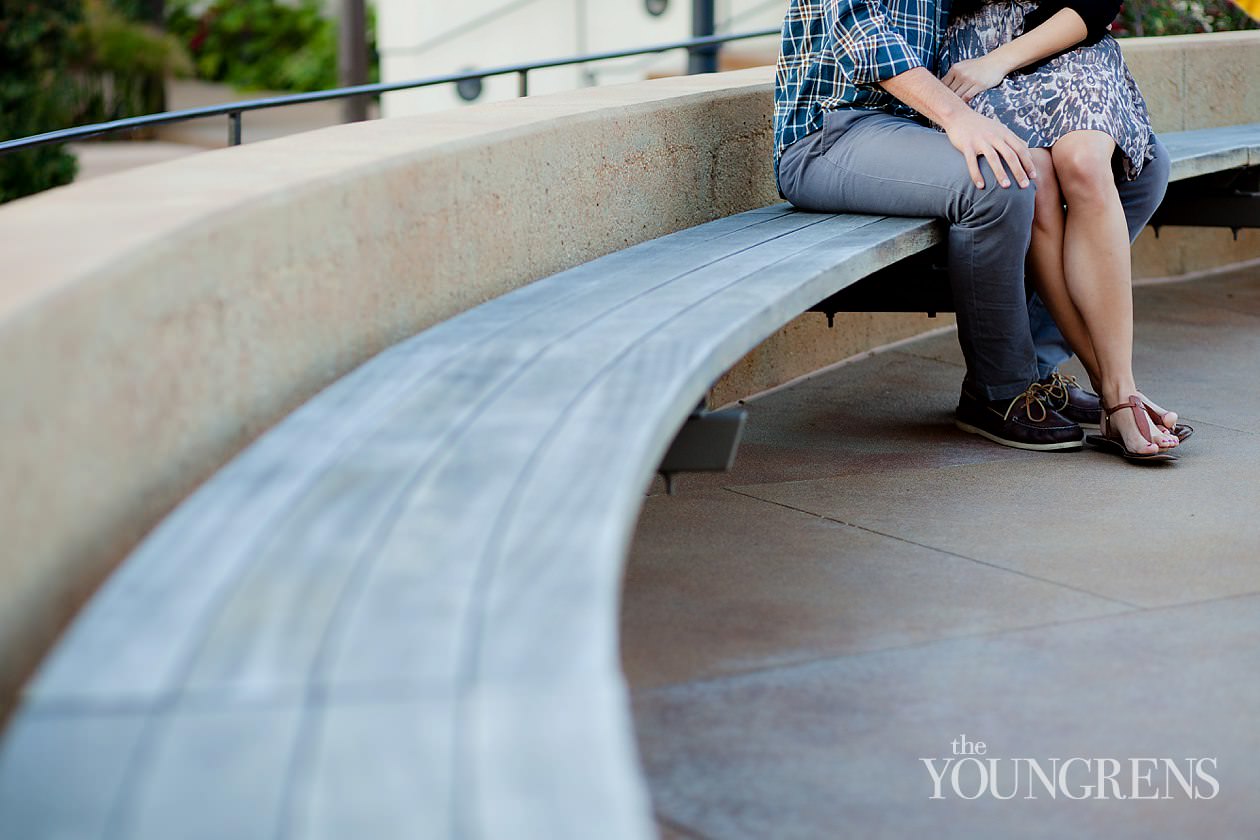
x=154 y=322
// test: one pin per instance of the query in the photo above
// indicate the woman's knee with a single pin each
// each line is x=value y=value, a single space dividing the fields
x=1083 y=169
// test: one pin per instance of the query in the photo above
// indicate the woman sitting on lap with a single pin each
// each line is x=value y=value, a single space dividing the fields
x=1053 y=75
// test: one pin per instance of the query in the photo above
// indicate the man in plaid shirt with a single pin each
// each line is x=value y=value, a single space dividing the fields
x=855 y=96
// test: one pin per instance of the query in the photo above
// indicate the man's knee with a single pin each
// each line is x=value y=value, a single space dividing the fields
x=1142 y=196
x=1158 y=168
x=995 y=204
x=1151 y=183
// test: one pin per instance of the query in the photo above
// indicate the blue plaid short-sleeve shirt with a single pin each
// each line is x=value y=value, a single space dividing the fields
x=835 y=53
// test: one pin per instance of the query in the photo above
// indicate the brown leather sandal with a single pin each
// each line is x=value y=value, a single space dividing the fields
x=1111 y=440
x=1180 y=431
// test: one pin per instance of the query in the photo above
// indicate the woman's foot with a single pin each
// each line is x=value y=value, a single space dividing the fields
x=1167 y=419
x=1120 y=423
x=1128 y=431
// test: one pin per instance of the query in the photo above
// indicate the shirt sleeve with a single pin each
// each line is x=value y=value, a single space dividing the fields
x=1097 y=14
x=867 y=47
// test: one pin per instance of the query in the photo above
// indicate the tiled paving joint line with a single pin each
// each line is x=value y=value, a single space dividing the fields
x=811 y=661
x=1199 y=422
x=909 y=541
x=1129 y=608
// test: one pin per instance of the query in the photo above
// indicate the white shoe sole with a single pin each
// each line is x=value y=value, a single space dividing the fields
x=1035 y=447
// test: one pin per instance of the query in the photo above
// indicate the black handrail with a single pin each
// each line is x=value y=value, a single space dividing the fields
x=234 y=110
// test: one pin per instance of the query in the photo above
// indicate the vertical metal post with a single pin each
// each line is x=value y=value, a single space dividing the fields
x=352 y=57
x=234 y=128
x=703 y=25
x=522 y=83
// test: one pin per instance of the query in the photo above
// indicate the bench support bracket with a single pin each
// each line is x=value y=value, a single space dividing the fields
x=1225 y=199
x=918 y=283
x=706 y=443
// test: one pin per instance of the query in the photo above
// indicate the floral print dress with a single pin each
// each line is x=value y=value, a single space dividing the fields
x=1088 y=87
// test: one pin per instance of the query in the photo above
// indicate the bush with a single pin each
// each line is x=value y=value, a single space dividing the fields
x=144 y=11
x=123 y=64
x=37 y=92
x=71 y=62
x=1179 y=17
x=261 y=44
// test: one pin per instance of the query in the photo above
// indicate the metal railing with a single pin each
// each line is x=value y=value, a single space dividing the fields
x=235 y=110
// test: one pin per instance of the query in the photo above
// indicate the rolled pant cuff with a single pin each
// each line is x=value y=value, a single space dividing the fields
x=1004 y=391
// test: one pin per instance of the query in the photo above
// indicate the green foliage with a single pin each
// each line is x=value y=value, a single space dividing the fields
x=112 y=43
x=261 y=44
x=70 y=62
x=1179 y=17
x=124 y=64
x=37 y=91
x=144 y=11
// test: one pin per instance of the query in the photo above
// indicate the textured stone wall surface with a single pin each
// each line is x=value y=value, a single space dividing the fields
x=154 y=322
x=1196 y=81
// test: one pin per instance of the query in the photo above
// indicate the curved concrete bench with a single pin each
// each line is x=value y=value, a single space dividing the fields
x=154 y=322
x=395 y=614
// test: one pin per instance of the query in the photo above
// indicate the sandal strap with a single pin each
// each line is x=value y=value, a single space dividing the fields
x=1137 y=406
x=1156 y=417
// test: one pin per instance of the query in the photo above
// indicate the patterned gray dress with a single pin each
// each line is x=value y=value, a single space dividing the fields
x=1088 y=87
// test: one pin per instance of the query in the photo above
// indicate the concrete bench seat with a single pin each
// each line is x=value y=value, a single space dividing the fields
x=394 y=615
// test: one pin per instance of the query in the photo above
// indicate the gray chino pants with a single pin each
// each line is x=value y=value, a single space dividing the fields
x=873 y=162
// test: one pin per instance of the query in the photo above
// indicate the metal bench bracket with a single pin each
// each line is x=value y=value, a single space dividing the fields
x=919 y=283
x=1224 y=199
x=706 y=443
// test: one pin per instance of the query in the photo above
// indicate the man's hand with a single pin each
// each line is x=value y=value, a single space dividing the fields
x=973 y=135
x=976 y=137
x=970 y=77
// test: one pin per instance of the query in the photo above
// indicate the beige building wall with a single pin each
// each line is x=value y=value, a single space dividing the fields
x=421 y=38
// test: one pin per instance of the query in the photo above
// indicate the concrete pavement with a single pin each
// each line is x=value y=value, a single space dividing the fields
x=869 y=584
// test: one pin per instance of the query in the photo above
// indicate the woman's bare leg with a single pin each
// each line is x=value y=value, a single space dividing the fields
x=1045 y=264
x=1096 y=263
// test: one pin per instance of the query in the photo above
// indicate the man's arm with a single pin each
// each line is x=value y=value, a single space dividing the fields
x=872 y=52
x=970 y=133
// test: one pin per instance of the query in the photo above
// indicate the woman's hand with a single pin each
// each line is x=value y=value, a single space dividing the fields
x=973 y=76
